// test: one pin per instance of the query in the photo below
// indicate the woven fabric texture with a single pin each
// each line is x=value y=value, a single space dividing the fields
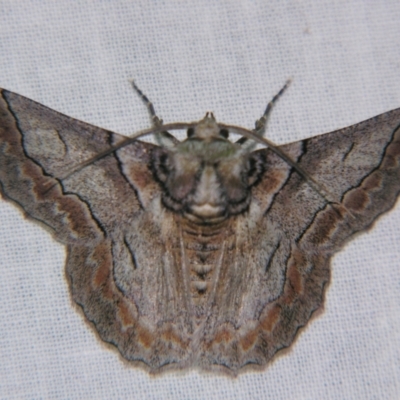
x=192 y=57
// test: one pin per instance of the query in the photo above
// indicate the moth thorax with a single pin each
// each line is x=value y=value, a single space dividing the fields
x=206 y=181
x=208 y=197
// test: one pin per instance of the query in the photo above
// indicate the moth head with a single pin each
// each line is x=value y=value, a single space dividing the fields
x=207 y=129
x=206 y=177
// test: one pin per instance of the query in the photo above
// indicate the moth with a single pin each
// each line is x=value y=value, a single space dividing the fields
x=202 y=252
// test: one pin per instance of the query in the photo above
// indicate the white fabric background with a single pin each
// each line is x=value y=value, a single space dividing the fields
x=229 y=57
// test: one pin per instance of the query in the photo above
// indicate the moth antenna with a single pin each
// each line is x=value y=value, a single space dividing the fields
x=256 y=137
x=259 y=130
x=252 y=135
x=127 y=141
x=154 y=118
x=261 y=124
x=164 y=139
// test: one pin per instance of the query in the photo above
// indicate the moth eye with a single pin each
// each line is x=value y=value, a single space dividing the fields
x=190 y=132
x=224 y=133
x=161 y=165
x=255 y=169
x=164 y=163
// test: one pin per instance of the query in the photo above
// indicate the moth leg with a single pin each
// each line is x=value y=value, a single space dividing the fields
x=261 y=124
x=164 y=139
